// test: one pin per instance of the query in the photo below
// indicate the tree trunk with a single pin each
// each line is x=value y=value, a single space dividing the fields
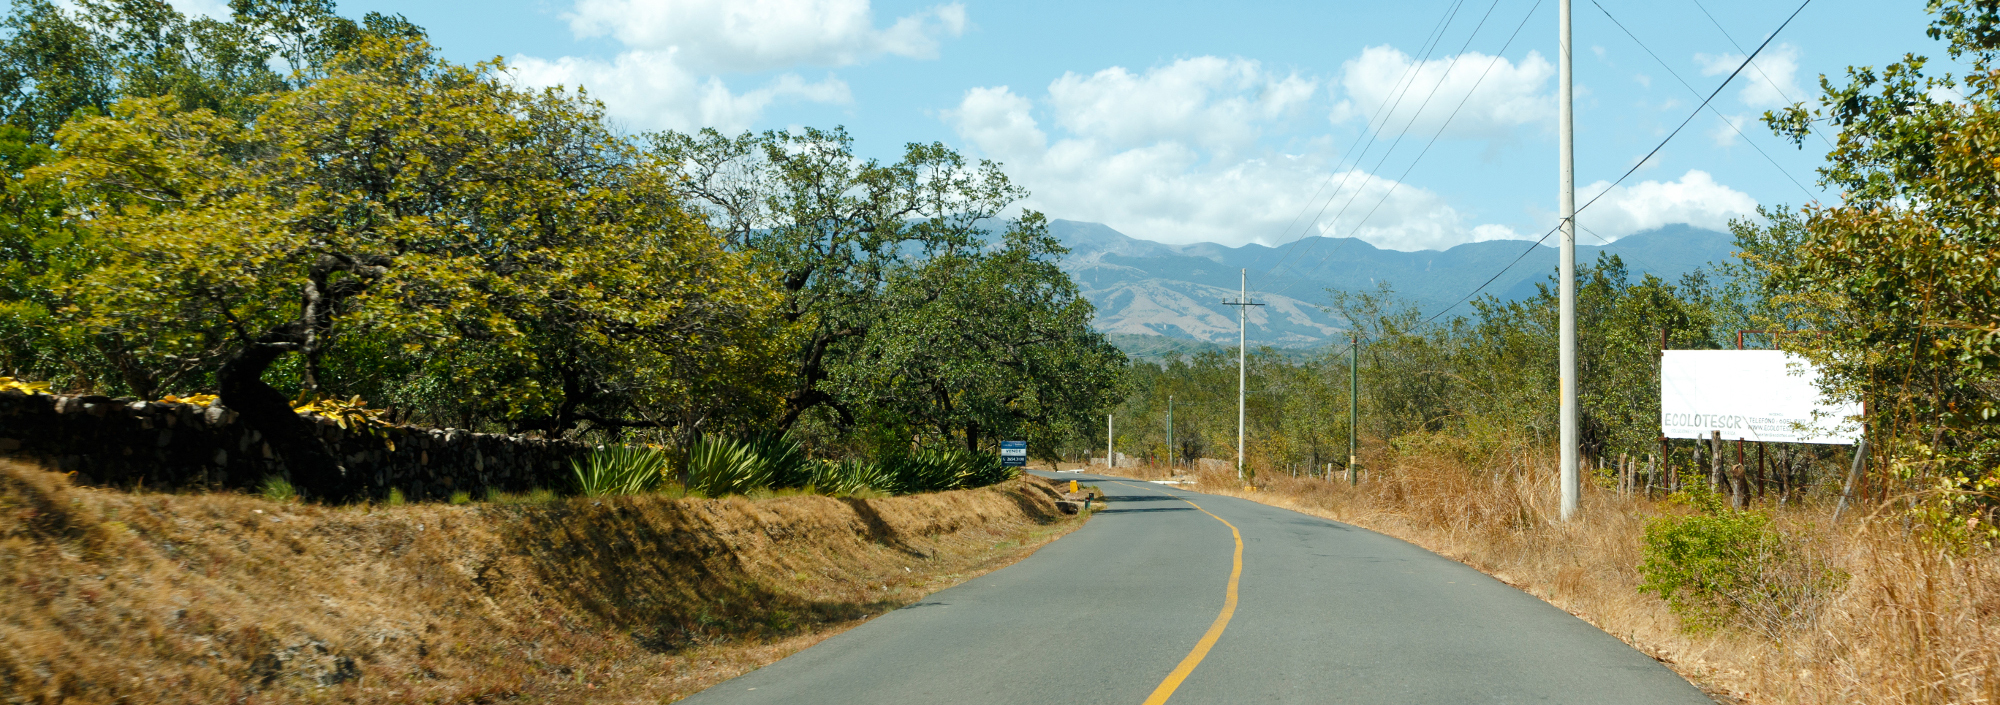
x=313 y=469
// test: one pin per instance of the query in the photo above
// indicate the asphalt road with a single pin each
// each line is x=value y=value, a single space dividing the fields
x=1114 y=612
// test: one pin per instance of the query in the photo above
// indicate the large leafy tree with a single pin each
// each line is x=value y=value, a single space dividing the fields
x=1902 y=278
x=905 y=316
x=409 y=223
x=59 y=60
x=39 y=248
x=985 y=346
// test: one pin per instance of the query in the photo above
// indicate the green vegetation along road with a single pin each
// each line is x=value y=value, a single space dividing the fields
x=1147 y=604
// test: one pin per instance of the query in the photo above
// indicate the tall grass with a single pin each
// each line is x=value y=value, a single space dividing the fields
x=1874 y=609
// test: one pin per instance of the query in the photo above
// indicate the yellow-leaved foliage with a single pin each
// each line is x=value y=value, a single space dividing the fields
x=424 y=234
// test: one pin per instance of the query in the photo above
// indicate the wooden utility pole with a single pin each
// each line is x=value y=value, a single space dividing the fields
x=1353 y=405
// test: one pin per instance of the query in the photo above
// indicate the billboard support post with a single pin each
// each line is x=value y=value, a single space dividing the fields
x=1853 y=476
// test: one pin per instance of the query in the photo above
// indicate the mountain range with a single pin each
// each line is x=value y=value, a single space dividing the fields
x=1146 y=288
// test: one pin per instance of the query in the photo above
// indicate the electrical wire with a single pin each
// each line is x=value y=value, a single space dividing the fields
x=1717 y=113
x=1760 y=70
x=1401 y=88
x=1704 y=104
x=1440 y=133
x=1393 y=144
x=1635 y=167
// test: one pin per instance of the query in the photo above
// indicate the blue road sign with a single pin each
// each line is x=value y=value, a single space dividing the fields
x=1014 y=454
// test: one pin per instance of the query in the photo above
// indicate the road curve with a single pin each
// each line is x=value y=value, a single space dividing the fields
x=1326 y=613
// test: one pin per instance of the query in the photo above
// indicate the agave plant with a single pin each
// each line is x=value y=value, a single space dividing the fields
x=786 y=463
x=849 y=477
x=620 y=470
x=933 y=470
x=718 y=466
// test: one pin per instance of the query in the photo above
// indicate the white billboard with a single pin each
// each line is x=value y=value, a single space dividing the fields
x=1753 y=395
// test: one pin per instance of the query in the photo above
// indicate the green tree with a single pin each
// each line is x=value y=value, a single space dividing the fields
x=1902 y=278
x=907 y=318
x=57 y=60
x=408 y=216
x=39 y=250
x=984 y=346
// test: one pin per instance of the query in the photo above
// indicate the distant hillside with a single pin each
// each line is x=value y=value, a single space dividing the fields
x=1160 y=349
x=1149 y=289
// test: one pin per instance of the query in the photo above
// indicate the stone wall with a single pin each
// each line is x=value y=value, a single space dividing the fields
x=129 y=443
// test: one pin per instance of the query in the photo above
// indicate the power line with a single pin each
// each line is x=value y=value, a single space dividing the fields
x=1758 y=69
x=1635 y=167
x=1440 y=132
x=1400 y=89
x=1717 y=113
x=1704 y=104
x=1395 y=143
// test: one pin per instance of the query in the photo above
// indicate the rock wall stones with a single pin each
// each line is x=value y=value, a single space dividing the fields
x=128 y=443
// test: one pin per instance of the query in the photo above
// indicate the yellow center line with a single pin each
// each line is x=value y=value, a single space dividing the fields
x=1180 y=672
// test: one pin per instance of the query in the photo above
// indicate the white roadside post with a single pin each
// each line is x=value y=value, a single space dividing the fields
x=1572 y=485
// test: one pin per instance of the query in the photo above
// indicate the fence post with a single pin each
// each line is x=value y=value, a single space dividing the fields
x=1739 y=482
x=1715 y=461
x=1652 y=473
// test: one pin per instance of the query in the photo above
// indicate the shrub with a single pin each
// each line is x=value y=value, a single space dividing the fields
x=534 y=496
x=719 y=466
x=620 y=470
x=933 y=470
x=1722 y=567
x=849 y=478
x=277 y=489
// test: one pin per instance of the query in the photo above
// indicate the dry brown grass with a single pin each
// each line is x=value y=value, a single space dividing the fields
x=108 y=596
x=1915 y=622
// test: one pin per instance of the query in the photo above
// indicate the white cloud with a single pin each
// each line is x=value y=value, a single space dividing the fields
x=1495 y=232
x=1770 y=81
x=218 y=9
x=1171 y=154
x=1727 y=129
x=1217 y=102
x=677 y=52
x=650 y=91
x=1509 y=94
x=998 y=122
x=1695 y=199
x=759 y=35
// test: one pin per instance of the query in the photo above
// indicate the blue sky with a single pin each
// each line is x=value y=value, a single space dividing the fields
x=1185 y=122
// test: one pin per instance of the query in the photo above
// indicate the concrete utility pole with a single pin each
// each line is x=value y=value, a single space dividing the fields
x=1572 y=486
x=1242 y=325
x=1170 y=430
x=1110 y=442
x=1353 y=404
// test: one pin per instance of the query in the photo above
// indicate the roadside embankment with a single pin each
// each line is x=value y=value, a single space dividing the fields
x=1910 y=619
x=109 y=596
